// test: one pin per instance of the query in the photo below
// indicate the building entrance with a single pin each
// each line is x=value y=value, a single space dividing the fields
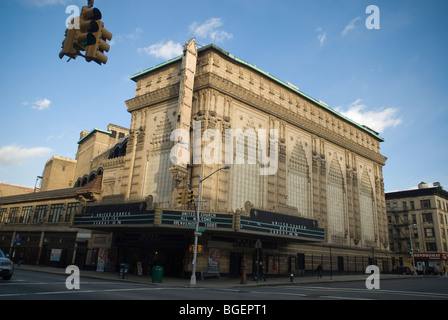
x=143 y=251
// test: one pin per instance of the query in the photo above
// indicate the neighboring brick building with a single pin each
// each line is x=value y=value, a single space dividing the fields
x=41 y=221
x=418 y=226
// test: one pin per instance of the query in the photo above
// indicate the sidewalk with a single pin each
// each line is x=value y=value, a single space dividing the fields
x=214 y=282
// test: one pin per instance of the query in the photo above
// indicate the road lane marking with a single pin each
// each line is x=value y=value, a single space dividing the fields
x=380 y=291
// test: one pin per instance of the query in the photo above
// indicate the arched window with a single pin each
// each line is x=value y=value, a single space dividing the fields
x=298 y=181
x=366 y=206
x=335 y=200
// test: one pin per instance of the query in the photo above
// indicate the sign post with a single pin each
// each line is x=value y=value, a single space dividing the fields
x=258 y=246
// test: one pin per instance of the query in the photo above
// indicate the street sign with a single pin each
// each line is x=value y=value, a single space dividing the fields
x=198 y=233
x=258 y=244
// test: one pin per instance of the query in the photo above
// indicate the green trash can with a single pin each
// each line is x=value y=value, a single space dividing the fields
x=157 y=274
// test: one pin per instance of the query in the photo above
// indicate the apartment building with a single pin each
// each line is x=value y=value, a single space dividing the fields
x=418 y=221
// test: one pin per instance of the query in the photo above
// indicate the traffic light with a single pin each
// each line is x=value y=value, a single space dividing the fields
x=181 y=197
x=200 y=248
x=88 y=24
x=68 y=48
x=91 y=37
x=189 y=197
x=95 y=52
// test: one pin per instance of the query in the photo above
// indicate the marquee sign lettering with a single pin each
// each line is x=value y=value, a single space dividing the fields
x=282 y=225
x=128 y=213
x=188 y=219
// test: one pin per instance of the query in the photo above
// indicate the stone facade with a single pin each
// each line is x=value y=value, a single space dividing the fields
x=314 y=173
x=329 y=168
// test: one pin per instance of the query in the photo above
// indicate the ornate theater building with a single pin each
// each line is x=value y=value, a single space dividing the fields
x=273 y=174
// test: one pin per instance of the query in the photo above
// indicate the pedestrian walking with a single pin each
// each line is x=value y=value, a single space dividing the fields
x=319 y=270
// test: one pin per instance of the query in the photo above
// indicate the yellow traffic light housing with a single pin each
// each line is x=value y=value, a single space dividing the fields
x=181 y=197
x=95 y=52
x=87 y=26
x=189 y=197
x=68 y=48
x=90 y=37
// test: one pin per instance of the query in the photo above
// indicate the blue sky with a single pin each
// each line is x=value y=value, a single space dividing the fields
x=393 y=79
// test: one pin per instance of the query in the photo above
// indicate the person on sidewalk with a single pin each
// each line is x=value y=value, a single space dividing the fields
x=261 y=272
x=319 y=270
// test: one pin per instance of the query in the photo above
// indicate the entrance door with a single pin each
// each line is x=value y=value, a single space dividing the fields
x=235 y=264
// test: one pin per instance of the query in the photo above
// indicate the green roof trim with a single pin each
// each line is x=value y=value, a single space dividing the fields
x=268 y=75
x=92 y=132
x=163 y=64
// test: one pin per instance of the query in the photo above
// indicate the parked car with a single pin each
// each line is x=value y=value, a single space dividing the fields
x=432 y=270
x=402 y=270
x=6 y=266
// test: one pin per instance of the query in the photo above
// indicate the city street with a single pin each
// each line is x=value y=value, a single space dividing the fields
x=31 y=285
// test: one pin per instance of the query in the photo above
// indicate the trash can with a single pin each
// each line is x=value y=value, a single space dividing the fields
x=157 y=274
x=124 y=269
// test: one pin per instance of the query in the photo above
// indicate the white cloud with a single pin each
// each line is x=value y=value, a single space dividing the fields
x=134 y=35
x=378 y=120
x=210 y=30
x=14 y=155
x=322 y=36
x=164 y=50
x=41 y=104
x=350 y=26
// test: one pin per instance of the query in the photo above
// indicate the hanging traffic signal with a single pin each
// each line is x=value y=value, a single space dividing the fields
x=95 y=52
x=68 y=48
x=78 y=38
x=88 y=24
x=181 y=197
x=91 y=37
x=189 y=197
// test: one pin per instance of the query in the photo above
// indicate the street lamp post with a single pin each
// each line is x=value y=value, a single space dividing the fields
x=198 y=209
x=196 y=233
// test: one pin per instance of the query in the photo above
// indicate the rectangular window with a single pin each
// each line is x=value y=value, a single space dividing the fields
x=26 y=214
x=71 y=210
x=3 y=214
x=405 y=206
x=425 y=204
x=412 y=205
x=415 y=233
x=431 y=246
x=429 y=232
x=13 y=215
x=56 y=212
x=427 y=217
x=39 y=214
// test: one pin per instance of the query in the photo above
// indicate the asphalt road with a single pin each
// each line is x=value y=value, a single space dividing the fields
x=31 y=285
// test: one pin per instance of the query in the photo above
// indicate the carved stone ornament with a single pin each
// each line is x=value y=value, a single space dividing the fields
x=179 y=173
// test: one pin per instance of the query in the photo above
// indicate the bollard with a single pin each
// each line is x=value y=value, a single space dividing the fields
x=243 y=271
x=291 y=277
